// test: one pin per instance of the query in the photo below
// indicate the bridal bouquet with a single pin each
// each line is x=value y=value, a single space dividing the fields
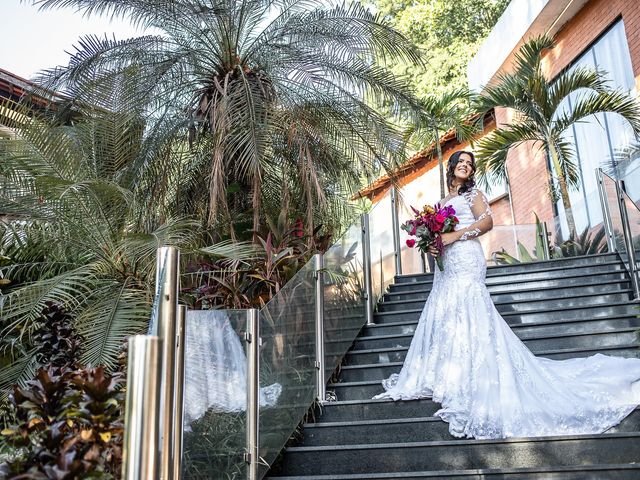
x=427 y=226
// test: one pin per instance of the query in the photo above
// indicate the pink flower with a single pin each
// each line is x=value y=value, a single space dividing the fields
x=411 y=242
x=413 y=231
x=440 y=218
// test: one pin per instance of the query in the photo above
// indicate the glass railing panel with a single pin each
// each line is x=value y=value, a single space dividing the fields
x=412 y=259
x=383 y=268
x=611 y=196
x=215 y=394
x=633 y=213
x=586 y=210
x=287 y=362
x=344 y=306
x=510 y=243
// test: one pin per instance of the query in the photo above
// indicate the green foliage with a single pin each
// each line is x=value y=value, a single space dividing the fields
x=79 y=230
x=448 y=33
x=586 y=243
x=276 y=97
x=237 y=275
x=69 y=425
x=589 y=242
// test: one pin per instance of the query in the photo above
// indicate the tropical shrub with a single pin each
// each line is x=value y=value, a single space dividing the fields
x=67 y=421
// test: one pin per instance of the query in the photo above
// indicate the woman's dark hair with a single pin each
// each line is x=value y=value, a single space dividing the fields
x=451 y=166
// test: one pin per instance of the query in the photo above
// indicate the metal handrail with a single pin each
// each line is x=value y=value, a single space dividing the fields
x=621 y=204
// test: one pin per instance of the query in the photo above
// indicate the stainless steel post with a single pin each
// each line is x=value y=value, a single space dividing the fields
x=252 y=338
x=423 y=262
x=366 y=268
x=606 y=211
x=628 y=240
x=395 y=225
x=545 y=241
x=167 y=313
x=178 y=417
x=142 y=409
x=319 y=363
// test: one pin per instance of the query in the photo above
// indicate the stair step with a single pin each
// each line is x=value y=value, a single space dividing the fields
x=464 y=454
x=502 y=295
x=620 y=471
x=524 y=330
x=536 y=342
x=526 y=305
x=538 y=315
x=537 y=269
x=397 y=430
x=561 y=280
x=368 y=409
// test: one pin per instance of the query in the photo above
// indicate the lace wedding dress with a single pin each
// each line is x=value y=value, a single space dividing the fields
x=465 y=356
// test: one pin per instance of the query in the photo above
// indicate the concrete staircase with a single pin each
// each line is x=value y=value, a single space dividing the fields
x=561 y=309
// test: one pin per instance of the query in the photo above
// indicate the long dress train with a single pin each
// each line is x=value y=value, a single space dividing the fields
x=465 y=356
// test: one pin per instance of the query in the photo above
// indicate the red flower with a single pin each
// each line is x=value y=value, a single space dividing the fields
x=440 y=218
x=411 y=242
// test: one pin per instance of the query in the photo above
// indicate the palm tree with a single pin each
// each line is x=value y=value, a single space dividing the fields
x=78 y=231
x=266 y=88
x=437 y=115
x=541 y=118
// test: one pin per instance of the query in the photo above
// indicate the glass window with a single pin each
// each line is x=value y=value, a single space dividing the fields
x=597 y=139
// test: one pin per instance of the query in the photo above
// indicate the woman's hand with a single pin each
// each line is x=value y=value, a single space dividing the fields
x=432 y=250
x=449 y=238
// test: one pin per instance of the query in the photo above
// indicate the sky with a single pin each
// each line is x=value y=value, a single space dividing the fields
x=31 y=40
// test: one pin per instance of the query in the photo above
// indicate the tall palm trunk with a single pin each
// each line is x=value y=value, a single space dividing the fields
x=564 y=191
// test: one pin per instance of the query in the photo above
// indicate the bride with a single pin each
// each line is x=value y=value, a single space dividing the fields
x=465 y=356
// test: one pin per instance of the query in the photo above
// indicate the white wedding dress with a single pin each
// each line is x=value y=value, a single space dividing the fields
x=465 y=356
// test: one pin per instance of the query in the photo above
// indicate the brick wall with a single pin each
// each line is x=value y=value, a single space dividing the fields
x=592 y=20
x=527 y=167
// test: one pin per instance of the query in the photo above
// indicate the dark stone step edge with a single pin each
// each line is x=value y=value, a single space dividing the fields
x=467 y=442
x=511 y=302
x=527 y=312
x=603 y=467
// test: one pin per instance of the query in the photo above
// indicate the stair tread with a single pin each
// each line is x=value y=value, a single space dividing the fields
x=461 y=442
x=547 y=264
x=510 y=302
x=510 y=282
x=382 y=421
x=538 y=354
x=483 y=471
x=537 y=337
x=526 y=290
x=521 y=325
x=537 y=310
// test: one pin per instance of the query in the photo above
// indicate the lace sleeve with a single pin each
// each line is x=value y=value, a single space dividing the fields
x=481 y=211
